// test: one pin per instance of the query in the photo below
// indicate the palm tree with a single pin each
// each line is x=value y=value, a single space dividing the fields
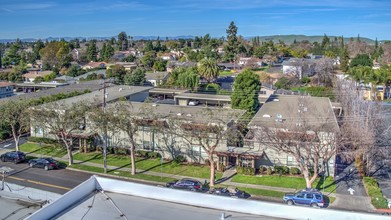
x=207 y=68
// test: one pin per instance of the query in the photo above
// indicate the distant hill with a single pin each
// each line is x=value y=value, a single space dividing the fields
x=288 y=39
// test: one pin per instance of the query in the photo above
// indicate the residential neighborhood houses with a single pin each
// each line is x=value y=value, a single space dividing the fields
x=265 y=116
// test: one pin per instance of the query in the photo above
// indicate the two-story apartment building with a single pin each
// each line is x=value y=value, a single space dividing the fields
x=6 y=89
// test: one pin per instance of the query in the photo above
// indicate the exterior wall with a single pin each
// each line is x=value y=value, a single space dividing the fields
x=6 y=91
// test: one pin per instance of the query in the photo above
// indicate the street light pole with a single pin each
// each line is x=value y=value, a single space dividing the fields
x=104 y=128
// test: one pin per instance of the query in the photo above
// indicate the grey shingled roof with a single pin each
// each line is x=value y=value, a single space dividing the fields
x=292 y=109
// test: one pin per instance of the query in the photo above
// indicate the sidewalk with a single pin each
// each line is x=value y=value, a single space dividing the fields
x=226 y=182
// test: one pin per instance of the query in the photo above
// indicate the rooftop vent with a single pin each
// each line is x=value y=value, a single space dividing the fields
x=266 y=116
x=120 y=89
x=179 y=114
x=188 y=115
x=305 y=109
x=276 y=100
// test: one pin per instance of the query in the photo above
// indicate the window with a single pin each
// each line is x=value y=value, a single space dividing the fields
x=38 y=130
x=245 y=162
x=146 y=145
x=196 y=151
x=289 y=161
x=262 y=92
x=309 y=196
x=300 y=195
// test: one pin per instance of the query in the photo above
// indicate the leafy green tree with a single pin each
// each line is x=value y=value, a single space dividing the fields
x=107 y=52
x=188 y=78
x=92 y=51
x=208 y=69
x=38 y=79
x=118 y=72
x=50 y=77
x=231 y=49
x=55 y=54
x=129 y=58
x=361 y=60
x=148 y=59
x=122 y=41
x=160 y=65
x=245 y=94
x=283 y=83
x=12 y=56
x=136 y=77
x=148 y=46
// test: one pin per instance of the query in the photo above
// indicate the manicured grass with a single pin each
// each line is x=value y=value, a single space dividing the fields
x=148 y=165
x=49 y=150
x=377 y=198
x=140 y=176
x=263 y=192
x=226 y=73
x=285 y=182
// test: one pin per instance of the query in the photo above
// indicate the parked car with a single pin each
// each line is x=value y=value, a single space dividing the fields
x=229 y=191
x=309 y=197
x=15 y=156
x=45 y=163
x=189 y=184
x=194 y=102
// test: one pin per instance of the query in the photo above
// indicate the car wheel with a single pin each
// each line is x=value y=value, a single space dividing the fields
x=15 y=161
x=314 y=205
x=289 y=202
x=46 y=168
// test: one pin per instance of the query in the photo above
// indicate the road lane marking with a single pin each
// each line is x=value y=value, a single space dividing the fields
x=39 y=183
x=5 y=146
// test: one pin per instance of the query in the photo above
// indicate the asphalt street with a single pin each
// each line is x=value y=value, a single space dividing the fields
x=10 y=143
x=57 y=181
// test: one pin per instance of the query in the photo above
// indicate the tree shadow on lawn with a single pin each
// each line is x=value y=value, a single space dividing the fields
x=153 y=167
x=92 y=158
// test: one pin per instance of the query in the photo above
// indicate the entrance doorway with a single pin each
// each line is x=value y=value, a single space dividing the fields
x=231 y=161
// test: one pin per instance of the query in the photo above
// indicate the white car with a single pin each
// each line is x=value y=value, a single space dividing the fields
x=194 y=102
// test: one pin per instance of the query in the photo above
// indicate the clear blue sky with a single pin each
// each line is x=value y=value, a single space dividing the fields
x=88 y=18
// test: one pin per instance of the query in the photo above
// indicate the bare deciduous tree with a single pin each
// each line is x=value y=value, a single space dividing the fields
x=63 y=121
x=14 y=114
x=366 y=128
x=324 y=68
x=308 y=134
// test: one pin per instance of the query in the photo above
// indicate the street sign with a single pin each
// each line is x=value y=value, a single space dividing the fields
x=351 y=191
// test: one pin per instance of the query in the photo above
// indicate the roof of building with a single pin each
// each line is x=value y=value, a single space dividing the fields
x=156 y=75
x=95 y=64
x=290 y=110
x=201 y=96
x=191 y=113
x=167 y=91
x=104 y=198
x=80 y=87
x=34 y=74
x=98 y=72
x=4 y=84
x=225 y=79
x=113 y=93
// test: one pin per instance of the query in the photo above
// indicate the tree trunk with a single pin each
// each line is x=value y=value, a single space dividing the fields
x=132 y=160
x=308 y=181
x=212 y=170
x=16 y=139
x=70 y=156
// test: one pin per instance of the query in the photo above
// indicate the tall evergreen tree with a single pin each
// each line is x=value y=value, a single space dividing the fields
x=231 y=49
x=344 y=59
x=92 y=51
x=245 y=94
x=122 y=41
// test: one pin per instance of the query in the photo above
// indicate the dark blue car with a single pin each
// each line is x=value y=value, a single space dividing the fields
x=309 y=197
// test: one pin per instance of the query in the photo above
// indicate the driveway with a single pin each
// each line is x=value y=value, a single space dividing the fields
x=10 y=143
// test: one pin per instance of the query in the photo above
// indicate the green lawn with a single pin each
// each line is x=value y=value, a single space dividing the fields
x=377 y=198
x=122 y=173
x=148 y=165
x=284 y=182
x=226 y=73
x=49 y=150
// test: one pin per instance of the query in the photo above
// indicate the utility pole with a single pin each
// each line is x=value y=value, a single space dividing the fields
x=104 y=127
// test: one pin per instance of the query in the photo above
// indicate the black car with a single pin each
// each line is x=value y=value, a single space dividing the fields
x=228 y=191
x=189 y=184
x=14 y=156
x=45 y=163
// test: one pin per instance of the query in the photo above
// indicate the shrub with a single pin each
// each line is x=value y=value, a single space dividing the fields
x=294 y=171
x=42 y=140
x=207 y=162
x=121 y=150
x=154 y=155
x=180 y=159
x=281 y=170
x=306 y=79
x=245 y=170
x=142 y=153
x=262 y=169
x=269 y=171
